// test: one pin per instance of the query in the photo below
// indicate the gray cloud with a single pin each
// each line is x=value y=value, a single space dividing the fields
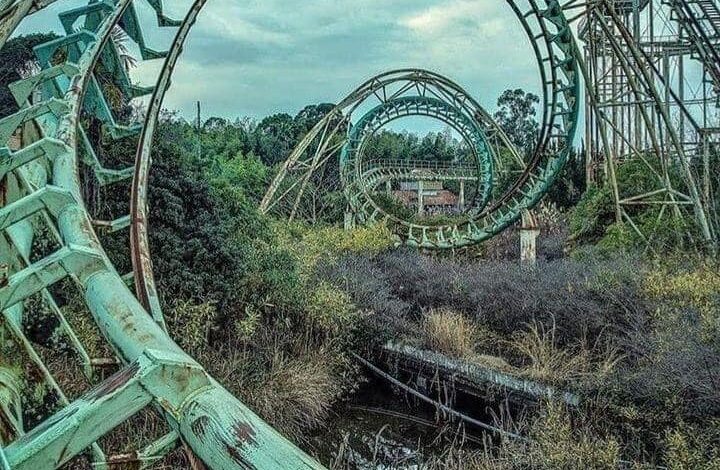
x=262 y=56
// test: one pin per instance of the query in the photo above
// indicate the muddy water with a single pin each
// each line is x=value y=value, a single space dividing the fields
x=381 y=428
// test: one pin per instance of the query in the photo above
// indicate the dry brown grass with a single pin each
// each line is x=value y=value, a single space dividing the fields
x=545 y=360
x=288 y=381
x=450 y=333
x=296 y=394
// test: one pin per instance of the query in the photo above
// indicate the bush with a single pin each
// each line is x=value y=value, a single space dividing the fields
x=330 y=309
x=592 y=214
x=191 y=324
x=688 y=447
x=310 y=245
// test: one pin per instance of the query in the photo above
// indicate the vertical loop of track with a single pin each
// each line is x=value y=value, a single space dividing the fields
x=556 y=54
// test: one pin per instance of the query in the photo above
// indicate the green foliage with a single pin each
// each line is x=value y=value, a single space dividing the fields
x=592 y=214
x=393 y=206
x=191 y=324
x=18 y=60
x=570 y=185
x=310 y=245
x=272 y=282
x=330 y=309
x=691 y=448
x=593 y=219
x=437 y=146
x=558 y=444
x=516 y=116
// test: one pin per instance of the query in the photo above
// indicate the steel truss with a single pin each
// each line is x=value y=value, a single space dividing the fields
x=360 y=178
x=652 y=79
x=633 y=110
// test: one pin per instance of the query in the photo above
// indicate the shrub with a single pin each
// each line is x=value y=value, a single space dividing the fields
x=592 y=214
x=330 y=309
x=688 y=447
x=698 y=288
x=555 y=443
x=311 y=245
x=190 y=324
x=560 y=444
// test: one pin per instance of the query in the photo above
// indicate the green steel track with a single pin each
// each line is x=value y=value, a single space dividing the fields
x=356 y=173
x=42 y=180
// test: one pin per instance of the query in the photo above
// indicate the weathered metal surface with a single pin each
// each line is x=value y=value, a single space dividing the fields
x=473 y=376
x=160 y=372
x=75 y=427
x=358 y=175
x=639 y=107
x=139 y=241
x=41 y=182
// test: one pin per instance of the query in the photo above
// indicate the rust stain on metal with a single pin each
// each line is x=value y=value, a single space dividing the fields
x=127 y=461
x=237 y=456
x=199 y=426
x=66 y=413
x=115 y=382
x=244 y=433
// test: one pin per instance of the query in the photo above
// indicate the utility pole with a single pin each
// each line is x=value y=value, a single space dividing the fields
x=199 y=134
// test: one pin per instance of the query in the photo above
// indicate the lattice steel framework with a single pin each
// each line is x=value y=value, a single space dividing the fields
x=360 y=177
x=653 y=75
x=336 y=134
x=42 y=148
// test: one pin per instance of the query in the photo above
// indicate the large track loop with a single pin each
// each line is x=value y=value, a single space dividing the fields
x=42 y=178
x=557 y=56
x=360 y=177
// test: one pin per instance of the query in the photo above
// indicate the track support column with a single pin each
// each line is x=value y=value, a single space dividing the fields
x=529 y=232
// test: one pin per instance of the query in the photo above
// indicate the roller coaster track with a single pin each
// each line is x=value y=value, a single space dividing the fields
x=42 y=184
x=700 y=20
x=551 y=40
x=427 y=170
x=355 y=170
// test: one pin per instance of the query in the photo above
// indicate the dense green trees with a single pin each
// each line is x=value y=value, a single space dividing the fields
x=516 y=116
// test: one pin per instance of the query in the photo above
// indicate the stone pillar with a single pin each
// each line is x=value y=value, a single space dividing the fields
x=529 y=232
x=420 y=198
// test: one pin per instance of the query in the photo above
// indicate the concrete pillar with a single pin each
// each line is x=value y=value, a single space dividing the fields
x=388 y=187
x=461 y=197
x=529 y=232
x=349 y=220
x=420 y=198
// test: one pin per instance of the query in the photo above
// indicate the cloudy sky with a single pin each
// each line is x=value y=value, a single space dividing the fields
x=254 y=58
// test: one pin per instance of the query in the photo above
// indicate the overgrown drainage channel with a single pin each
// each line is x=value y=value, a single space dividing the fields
x=416 y=402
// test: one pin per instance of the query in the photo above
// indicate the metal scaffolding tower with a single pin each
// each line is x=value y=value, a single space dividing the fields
x=652 y=95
